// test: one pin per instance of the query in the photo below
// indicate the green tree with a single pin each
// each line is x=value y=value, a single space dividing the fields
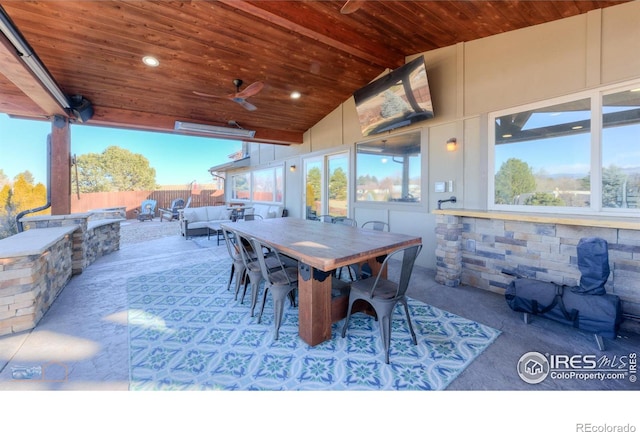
x=313 y=182
x=514 y=178
x=613 y=179
x=338 y=185
x=115 y=169
x=544 y=199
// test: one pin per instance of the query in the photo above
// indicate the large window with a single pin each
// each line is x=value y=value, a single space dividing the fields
x=264 y=185
x=581 y=154
x=389 y=169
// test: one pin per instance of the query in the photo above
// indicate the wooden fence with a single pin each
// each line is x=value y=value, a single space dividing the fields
x=133 y=199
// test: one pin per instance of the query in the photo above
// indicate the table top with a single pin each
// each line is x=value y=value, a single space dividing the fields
x=323 y=246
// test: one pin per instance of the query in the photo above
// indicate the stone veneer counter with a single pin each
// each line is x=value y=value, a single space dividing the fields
x=473 y=247
x=556 y=218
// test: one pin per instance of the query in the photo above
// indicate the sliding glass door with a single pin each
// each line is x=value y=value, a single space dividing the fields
x=326 y=185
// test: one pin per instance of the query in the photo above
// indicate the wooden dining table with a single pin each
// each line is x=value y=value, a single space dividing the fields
x=320 y=248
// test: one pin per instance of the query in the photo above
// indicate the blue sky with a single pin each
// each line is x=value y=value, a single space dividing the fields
x=178 y=159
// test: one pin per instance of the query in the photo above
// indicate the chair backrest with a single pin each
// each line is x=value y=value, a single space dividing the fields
x=376 y=225
x=247 y=252
x=188 y=203
x=252 y=216
x=325 y=218
x=232 y=247
x=177 y=204
x=345 y=221
x=148 y=206
x=283 y=277
x=409 y=255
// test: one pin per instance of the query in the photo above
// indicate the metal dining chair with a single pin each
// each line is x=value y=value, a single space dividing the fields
x=325 y=218
x=250 y=259
x=252 y=216
x=237 y=266
x=280 y=281
x=345 y=221
x=376 y=225
x=384 y=294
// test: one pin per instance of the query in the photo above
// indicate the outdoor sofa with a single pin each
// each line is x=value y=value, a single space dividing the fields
x=198 y=221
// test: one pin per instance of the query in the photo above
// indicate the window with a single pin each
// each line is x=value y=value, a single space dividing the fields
x=327 y=185
x=565 y=155
x=389 y=169
x=621 y=149
x=265 y=185
x=240 y=184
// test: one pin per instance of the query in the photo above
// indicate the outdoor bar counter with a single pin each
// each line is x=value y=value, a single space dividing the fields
x=475 y=246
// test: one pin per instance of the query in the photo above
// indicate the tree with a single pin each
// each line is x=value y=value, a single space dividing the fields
x=338 y=185
x=514 y=178
x=22 y=196
x=313 y=179
x=27 y=175
x=544 y=199
x=4 y=180
x=115 y=169
x=613 y=179
x=392 y=105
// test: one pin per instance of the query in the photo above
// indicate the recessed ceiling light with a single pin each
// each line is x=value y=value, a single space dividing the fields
x=295 y=95
x=151 y=61
x=576 y=127
x=507 y=136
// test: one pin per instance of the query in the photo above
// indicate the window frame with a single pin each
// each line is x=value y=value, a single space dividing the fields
x=423 y=199
x=252 y=186
x=595 y=158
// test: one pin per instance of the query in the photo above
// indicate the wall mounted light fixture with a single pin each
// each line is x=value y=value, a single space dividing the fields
x=292 y=168
x=452 y=144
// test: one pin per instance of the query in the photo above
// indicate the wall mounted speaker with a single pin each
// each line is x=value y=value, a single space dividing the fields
x=81 y=108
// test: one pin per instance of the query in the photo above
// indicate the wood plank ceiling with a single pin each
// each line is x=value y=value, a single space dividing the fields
x=94 y=49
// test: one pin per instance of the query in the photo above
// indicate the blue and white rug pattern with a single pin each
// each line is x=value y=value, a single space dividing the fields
x=187 y=332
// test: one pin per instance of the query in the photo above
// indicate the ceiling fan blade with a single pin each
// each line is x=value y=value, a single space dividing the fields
x=244 y=104
x=250 y=90
x=351 y=6
x=208 y=95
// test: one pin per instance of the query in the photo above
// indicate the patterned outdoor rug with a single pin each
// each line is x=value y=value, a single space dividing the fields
x=187 y=332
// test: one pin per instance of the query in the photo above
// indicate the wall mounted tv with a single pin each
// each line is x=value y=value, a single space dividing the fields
x=398 y=99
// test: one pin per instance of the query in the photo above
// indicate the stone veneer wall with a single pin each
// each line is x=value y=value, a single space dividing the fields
x=36 y=264
x=98 y=233
x=474 y=251
x=32 y=279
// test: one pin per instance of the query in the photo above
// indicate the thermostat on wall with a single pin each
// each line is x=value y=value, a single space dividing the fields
x=440 y=186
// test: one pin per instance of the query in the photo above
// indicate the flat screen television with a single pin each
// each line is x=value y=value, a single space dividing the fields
x=398 y=99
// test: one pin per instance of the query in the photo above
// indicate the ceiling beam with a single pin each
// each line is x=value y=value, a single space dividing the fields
x=16 y=71
x=386 y=59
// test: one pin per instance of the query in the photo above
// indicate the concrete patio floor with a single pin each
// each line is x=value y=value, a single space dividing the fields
x=84 y=335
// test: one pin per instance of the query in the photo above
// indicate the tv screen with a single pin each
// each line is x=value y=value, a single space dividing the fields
x=398 y=99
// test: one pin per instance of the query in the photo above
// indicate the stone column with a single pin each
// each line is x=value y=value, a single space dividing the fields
x=448 y=250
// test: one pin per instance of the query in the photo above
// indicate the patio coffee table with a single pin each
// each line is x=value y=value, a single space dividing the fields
x=214 y=228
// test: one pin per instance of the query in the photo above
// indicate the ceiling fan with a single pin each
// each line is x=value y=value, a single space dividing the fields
x=351 y=6
x=240 y=97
